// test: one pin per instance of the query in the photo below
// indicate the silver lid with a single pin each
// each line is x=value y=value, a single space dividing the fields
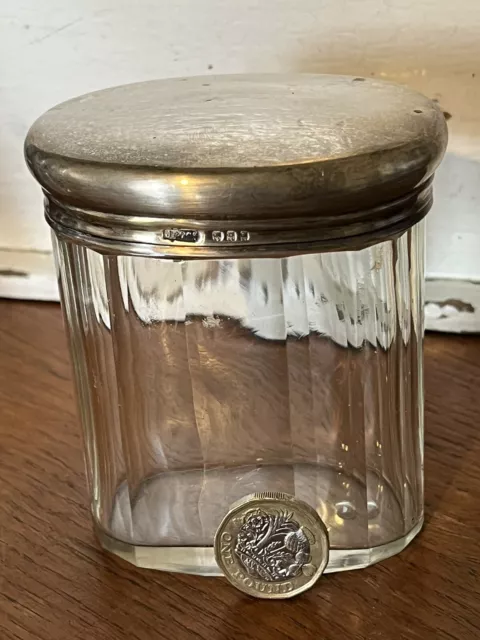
x=228 y=165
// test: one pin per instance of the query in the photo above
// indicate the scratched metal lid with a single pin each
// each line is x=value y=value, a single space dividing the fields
x=232 y=165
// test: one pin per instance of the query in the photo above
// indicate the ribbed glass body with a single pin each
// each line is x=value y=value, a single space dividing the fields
x=202 y=381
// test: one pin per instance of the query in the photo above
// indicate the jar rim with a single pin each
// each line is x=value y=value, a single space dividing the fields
x=156 y=237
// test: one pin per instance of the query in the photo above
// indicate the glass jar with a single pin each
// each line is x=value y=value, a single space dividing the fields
x=241 y=262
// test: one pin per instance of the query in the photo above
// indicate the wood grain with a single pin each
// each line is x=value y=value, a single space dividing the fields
x=56 y=583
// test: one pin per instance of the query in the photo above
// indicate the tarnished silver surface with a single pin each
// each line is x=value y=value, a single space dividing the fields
x=271 y=545
x=158 y=237
x=238 y=165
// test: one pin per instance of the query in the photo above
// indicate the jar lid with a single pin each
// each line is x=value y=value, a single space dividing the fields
x=232 y=165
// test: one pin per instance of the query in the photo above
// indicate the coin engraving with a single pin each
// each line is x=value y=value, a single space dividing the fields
x=272 y=545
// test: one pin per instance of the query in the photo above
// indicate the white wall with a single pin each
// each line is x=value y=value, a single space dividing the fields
x=53 y=50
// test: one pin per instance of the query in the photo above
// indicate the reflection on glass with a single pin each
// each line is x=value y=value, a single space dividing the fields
x=203 y=381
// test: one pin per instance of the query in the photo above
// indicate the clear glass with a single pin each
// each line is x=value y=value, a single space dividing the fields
x=202 y=381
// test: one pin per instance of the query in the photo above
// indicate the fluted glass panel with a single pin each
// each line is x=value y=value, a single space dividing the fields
x=202 y=381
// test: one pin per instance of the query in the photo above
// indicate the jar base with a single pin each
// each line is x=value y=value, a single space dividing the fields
x=201 y=560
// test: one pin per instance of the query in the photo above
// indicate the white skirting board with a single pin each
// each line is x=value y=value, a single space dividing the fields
x=28 y=275
x=452 y=305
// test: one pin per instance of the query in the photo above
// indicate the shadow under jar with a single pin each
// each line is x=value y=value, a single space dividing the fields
x=241 y=261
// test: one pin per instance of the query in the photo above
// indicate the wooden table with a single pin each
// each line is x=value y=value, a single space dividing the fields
x=56 y=584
